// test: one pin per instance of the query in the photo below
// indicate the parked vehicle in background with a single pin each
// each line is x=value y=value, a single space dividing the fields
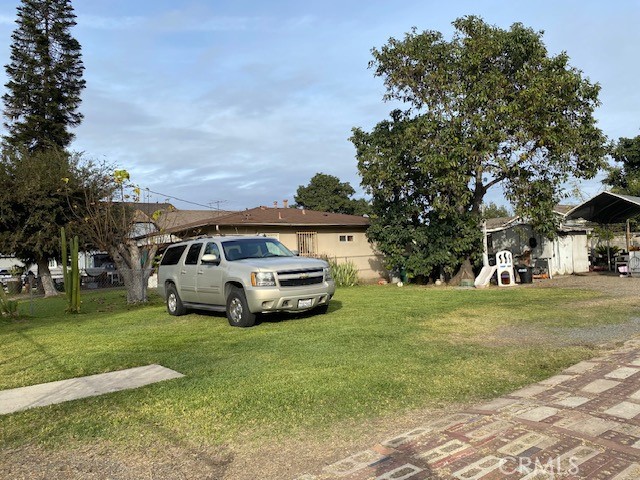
x=5 y=276
x=242 y=276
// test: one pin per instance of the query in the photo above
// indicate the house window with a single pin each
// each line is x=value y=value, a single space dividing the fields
x=346 y=238
x=307 y=244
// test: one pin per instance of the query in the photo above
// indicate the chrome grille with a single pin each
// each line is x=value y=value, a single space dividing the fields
x=299 y=278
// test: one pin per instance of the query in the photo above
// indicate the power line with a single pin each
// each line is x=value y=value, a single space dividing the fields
x=208 y=207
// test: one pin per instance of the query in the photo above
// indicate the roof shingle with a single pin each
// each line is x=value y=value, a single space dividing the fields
x=279 y=216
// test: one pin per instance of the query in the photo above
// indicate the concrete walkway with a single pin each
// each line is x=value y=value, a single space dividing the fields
x=22 y=398
x=583 y=423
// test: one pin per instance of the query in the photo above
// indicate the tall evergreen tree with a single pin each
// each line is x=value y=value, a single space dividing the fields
x=40 y=108
x=45 y=77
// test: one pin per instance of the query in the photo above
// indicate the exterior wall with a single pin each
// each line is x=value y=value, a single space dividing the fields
x=84 y=261
x=7 y=262
x=515 y=239
x=580 y=253
x=359 y=251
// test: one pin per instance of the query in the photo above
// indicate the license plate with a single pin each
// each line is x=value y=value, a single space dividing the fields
x=306 y=303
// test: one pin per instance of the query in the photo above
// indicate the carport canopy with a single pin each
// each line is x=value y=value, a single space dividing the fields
x=606 y=208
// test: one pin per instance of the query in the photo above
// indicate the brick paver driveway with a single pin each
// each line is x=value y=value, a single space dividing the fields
x=583 y=423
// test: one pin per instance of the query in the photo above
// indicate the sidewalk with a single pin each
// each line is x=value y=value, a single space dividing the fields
x=581 y=424
x=22 y=398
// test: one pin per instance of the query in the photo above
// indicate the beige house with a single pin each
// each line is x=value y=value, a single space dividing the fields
x=310 y=233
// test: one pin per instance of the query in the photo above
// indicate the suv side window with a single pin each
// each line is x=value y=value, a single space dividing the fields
x=192 y=254
x=212 y=248
x=172 y=255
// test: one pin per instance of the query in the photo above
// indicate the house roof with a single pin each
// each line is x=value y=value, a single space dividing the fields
x=562 y=209
x=148 y=208
x=607 y=207
x=500 y=223
x=176 y=218
x=266 y=216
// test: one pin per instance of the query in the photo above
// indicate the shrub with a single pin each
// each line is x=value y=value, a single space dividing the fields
x=344 y=274
x=603 y=250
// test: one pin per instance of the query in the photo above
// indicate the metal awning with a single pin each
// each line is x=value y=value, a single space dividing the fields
x=606 y=208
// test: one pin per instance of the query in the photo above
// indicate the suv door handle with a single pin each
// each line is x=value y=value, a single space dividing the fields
x=183 y=272
x=200 y=272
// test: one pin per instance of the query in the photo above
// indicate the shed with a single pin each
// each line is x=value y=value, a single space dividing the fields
x=566 y=254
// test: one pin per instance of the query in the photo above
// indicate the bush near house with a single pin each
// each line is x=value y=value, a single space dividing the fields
x=344 y=274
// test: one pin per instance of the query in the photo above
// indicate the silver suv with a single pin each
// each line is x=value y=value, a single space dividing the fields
x=243 y=276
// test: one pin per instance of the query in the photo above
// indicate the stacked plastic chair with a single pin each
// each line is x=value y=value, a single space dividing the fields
x=504 y=262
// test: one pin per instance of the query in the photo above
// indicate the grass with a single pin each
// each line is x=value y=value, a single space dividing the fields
x=379 y=350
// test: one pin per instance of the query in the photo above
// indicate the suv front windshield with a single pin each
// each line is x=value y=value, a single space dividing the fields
x=254 y=248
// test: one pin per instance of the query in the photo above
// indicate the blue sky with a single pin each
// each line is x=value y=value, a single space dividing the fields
x=240 y=102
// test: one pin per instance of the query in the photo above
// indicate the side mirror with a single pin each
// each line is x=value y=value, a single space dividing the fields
x=210 y=258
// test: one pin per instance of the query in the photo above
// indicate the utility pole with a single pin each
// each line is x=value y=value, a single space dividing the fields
x=217 y=202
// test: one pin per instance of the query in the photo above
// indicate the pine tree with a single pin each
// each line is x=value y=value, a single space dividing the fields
x=40 y=107
x=45 y=77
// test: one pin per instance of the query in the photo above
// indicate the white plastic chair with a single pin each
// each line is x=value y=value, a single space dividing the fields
x=504 y=262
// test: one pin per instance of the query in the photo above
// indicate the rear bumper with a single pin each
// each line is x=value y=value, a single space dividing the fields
x=263 y=300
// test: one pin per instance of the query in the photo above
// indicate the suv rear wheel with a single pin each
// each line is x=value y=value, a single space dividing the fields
x=238 y=312
x=174 y=304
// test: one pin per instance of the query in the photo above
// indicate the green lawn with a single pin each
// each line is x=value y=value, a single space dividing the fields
x=379 y=350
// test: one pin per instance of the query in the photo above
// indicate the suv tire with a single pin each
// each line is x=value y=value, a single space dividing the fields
x=174 y=304
x=238 y=312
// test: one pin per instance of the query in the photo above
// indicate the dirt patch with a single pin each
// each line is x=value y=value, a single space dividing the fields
x=608 y=283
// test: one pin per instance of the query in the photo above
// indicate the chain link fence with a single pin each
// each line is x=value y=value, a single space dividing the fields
x=90 y=279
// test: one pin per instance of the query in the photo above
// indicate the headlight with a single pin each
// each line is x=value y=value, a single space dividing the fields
x=327 y=274
x=263 y=279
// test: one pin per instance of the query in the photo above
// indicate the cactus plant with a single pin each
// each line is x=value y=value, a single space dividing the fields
x=71 y=275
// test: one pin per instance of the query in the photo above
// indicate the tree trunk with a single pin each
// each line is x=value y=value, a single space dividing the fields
x=135 y=281
x=135 y=270
x=45 y=277
x=465 y=273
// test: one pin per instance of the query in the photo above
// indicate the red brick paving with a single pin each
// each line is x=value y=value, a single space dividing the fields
x=581 y=424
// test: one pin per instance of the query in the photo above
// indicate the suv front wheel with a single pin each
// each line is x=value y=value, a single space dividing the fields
x=238 y=312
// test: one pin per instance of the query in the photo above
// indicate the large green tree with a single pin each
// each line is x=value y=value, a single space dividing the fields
x=37 y=192
x=488 y=108
x=45 y=77
x=492 y=210
x=40 y=107
x=326 y=193
x=625 y=177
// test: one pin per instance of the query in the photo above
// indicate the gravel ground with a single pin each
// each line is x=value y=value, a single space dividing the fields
x=609 y=283
x=287 y=458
